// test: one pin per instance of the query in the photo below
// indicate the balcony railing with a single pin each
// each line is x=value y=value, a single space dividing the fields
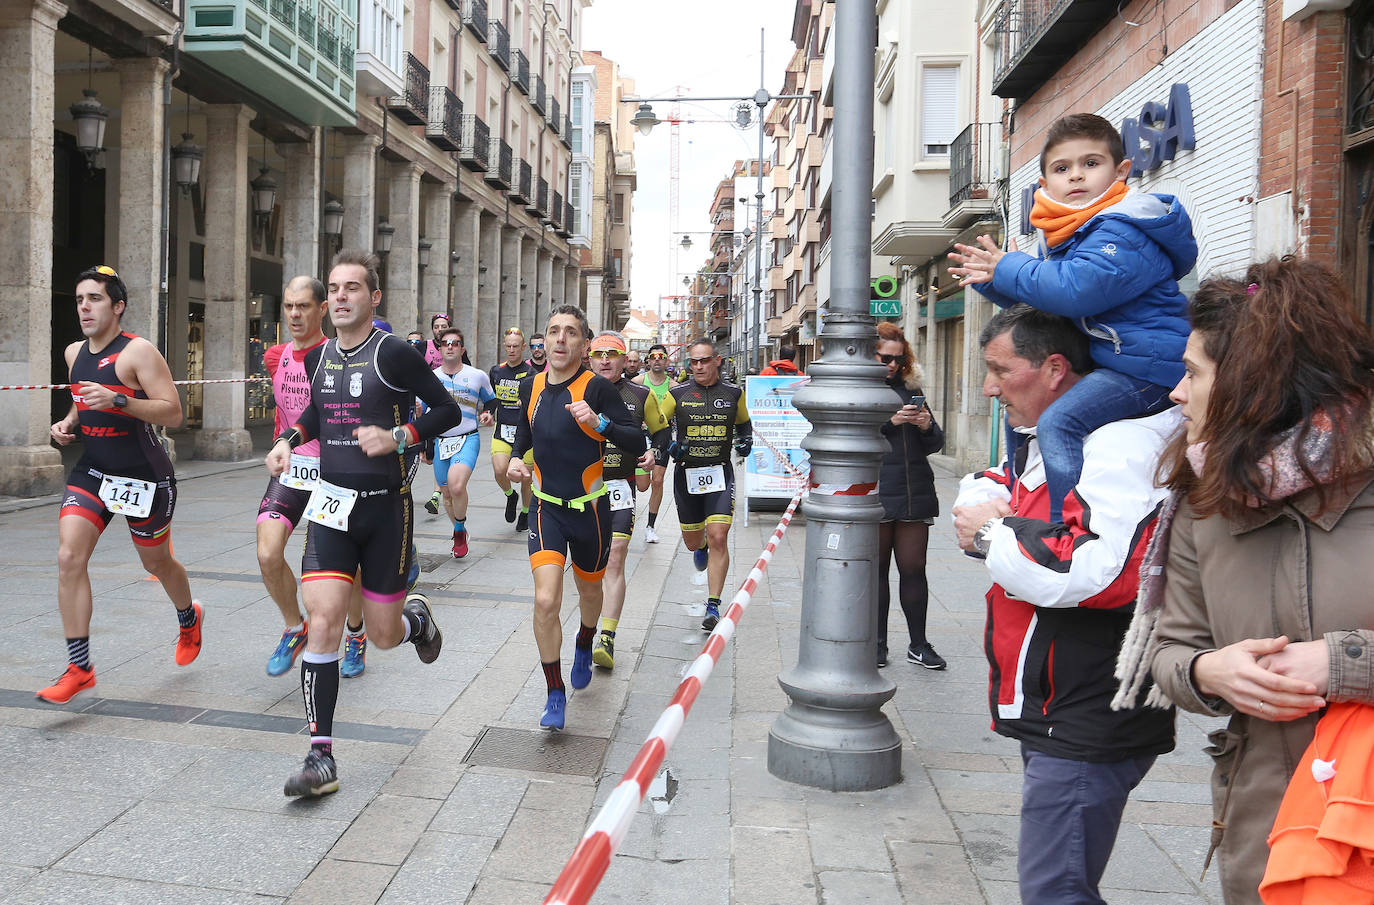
x=499 y=163
x=444 y=128
x=474 y=150
x=413 y=105
x=522 y=179
x=555 y=115
x=520 y=70
x=566 y=137
x=1033 y=39
x=537 y=93
x=498 y=44
x=475 y=17
x=556 y=211
x=973 y=159
x=541 y=198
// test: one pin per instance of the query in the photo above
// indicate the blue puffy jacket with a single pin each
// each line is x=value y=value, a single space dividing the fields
x=1117 y=276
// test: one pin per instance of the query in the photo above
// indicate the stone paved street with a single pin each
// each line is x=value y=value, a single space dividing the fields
x=163 y=785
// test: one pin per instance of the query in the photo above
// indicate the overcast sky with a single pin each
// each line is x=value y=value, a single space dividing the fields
x=710 y=48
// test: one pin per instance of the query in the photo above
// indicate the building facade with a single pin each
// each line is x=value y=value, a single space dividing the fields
x=607 y=261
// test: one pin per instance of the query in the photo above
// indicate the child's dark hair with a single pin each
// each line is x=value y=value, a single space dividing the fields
x=1083 y=125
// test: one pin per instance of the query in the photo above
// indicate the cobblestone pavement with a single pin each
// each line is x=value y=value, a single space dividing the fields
x=163 y=784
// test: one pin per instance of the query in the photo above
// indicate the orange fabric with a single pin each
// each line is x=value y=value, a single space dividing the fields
x=1059 y=221
x=1321 y=849
x=607 y=341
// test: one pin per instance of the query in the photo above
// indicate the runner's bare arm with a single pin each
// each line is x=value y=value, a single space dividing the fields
x=141 y=367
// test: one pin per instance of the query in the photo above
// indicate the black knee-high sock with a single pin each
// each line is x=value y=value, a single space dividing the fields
x=320 y=689
x=653 y=517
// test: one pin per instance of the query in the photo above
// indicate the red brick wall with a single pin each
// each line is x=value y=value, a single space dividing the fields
x=1113 y=58
x=1313 y=60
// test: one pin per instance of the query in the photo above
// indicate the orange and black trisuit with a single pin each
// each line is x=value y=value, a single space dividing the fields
x=118 y=445
x=571 y=513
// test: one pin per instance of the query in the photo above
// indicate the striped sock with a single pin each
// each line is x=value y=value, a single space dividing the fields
x=586 y=634
x=79 y=652
x=553 y=675
x=187 y=617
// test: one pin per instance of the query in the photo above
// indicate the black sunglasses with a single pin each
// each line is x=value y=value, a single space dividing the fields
x=889 y=359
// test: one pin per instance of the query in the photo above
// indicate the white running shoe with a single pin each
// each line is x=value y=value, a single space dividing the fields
x=650 y=537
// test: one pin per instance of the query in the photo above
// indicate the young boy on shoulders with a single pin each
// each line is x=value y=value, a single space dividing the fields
x=1110 y=258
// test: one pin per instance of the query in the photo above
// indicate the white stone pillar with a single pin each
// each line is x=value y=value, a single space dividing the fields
x=436 y=280
x=572 y=287
x=300 y=202
x=359 y=191
x=529 y=269
x=594 y=312
x=510 y=281
x=227 y=212
x=400 y=297
x=29 y=466
x=490 y=328
x=141 y=150
x=463 y=277
x=544 y=287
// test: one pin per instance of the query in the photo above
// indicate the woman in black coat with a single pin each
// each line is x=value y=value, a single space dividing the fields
x=906 y=487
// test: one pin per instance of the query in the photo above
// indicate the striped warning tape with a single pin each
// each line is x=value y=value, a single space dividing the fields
x=590 y=860
x=180 y=383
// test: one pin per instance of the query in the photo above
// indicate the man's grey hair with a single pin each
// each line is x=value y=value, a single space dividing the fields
x=1036 y=335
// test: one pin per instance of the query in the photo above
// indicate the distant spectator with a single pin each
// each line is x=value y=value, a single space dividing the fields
x=784 y=366
x=382 y=325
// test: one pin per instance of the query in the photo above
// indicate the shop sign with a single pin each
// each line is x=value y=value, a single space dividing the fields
x=885 y=302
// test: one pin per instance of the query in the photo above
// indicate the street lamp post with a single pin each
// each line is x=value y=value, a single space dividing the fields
x=834 y=734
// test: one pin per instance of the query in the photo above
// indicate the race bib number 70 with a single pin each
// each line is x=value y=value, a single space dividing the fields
x=331 y=505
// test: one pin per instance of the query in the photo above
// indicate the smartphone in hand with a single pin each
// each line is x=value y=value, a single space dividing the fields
x=918 y=401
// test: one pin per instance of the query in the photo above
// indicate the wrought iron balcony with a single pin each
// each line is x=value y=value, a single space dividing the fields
x=412 y=106
x=537 y=93
x=541 y=198
x=566 y=137
x=556 y=211
x=1033 y=39
x=973 y=158
x=521 y=187
x=499 y=163
x=498 y=44
x=444 y=128
x=474 y=150
x=475 y=18
x=555 y=115
x=520 y=70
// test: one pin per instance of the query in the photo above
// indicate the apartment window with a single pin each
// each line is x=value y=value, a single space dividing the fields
x=791 y=293
x=577 y=117
x=615 y=263
x=619 y=207
x=939 y=109
x=575 y=185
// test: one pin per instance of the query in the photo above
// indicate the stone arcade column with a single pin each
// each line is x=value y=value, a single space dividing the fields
x=510 y=281
x=491 y=329
x=466 y=229
x=572 y=292
x=225 y=174
x=141 y=142
x=360 y=185
x=400 y=299
x=29 y=465
x=300 y=202
x=529 y=268
x=543 y=287
x=438 y=210
x=594 y=313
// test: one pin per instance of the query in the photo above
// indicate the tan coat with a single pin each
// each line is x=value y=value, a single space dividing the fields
x=1276 y=571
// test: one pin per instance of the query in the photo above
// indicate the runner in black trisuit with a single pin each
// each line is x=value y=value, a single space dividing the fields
x=659 y=382
x=363 y=385
x=505 y=383
x=567 y=415
x=121 y=388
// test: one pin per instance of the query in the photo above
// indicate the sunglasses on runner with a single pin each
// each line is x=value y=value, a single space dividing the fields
x=536 y=347
x=701 y=361
x=607 y=353
x=451 y=343
x=660 y=356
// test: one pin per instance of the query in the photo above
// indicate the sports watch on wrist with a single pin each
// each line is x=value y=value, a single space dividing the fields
x=120 y=400
x=982 y=538
x=402 y=438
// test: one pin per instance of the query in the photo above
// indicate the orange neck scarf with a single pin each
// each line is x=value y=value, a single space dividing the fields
x=1059 y=221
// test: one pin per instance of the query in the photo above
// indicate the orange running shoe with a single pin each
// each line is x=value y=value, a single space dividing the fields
x=188 y=642
x=74 y=681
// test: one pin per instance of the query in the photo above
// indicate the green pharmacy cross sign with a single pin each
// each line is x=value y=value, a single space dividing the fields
x=884 y=302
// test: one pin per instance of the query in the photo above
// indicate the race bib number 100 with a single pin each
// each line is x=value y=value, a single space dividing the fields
x=707 y=479
x=331 y=505
x=127 y=496
x=302 y=474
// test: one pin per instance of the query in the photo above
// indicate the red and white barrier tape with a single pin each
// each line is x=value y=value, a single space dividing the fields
x=590 y=860
x=180 y=383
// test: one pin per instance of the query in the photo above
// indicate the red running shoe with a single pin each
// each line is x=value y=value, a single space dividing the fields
x=188 y=642
x=460 y=544
x=74 y=681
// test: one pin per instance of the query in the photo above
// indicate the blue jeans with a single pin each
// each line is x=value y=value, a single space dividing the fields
x=1099 y=398
x=1070 y=812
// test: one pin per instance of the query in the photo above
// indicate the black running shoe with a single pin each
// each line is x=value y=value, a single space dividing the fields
x=925 y=655
x=512 y=503
x=882 y=655
x=428 y=645
x=318 y=776
x=523 y=522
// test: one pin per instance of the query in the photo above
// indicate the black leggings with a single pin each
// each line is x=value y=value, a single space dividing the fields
x=908 y=540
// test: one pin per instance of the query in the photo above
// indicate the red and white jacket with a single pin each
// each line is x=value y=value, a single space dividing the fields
x=1063 y=594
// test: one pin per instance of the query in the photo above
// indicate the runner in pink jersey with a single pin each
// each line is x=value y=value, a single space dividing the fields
x=303 y=307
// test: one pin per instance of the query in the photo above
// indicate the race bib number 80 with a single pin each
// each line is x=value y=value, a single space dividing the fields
x=331 y=505
x=127 y=496
x=707 y=479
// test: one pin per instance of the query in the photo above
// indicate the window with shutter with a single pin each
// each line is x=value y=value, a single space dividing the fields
x=939 y=109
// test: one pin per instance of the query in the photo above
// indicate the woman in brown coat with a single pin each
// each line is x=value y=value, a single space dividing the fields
x=1268 y=595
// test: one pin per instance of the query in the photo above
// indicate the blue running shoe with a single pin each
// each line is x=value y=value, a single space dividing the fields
x=700 y=558
x=288 y=649
x=581 y=675
x=554 y=710
x=355 y=652
x=712 y=617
